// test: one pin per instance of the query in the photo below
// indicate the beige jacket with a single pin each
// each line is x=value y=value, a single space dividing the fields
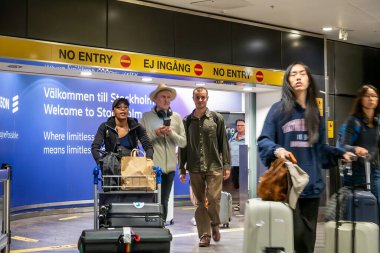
x=164 y=147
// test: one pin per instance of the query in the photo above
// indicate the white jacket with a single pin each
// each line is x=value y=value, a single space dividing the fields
x=164 y=146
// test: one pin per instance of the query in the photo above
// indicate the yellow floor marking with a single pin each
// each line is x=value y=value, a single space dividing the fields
x=224 y=230
x=68 y=246
x=188 y=208
x=70 y=218
x=24 y=239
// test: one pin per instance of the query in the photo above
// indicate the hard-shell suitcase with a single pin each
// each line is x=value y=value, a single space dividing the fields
x=138 y=214
x=350 y=236
x=365 y=207
x=364 y=203
x=268 y=227
x=225 y=212
x=366 y=237
x=152 y=240
x=170 y=214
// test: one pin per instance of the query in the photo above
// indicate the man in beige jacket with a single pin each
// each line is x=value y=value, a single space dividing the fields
x=166 y=131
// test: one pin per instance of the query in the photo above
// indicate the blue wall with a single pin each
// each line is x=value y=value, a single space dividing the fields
x=44 y=170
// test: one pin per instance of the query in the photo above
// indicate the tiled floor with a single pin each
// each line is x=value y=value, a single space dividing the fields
x=60 y=233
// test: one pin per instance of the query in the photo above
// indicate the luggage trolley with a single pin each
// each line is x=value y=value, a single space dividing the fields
x=119 y=190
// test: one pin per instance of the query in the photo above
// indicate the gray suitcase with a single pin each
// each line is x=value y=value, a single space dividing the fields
x=268 y=227
x=225 y=212
x=138 y=214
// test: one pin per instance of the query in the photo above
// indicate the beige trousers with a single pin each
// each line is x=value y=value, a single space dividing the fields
x=207 y=184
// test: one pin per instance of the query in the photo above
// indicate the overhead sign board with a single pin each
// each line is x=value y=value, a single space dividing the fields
x=111 y=59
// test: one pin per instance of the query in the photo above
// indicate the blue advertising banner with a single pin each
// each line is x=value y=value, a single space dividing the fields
x=48 y=124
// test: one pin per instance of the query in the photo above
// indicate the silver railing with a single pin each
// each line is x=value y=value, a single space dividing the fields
x=5 y=179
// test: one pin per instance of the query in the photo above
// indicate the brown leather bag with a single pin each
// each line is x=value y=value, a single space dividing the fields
x=274 y=184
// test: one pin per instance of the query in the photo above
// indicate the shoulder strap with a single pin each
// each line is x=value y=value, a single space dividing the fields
x=214 y=117
x=187 y=121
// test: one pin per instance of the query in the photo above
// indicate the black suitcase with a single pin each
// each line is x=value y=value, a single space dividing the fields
x=153 y=240
x=137 y=214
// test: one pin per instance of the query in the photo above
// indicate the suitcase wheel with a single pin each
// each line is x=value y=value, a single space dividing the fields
x=226 y=225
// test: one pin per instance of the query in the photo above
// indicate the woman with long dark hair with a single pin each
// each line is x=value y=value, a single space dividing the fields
x=361 y=137
x=294 y=125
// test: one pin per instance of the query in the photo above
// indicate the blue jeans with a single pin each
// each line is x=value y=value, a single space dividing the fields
x=166 y=187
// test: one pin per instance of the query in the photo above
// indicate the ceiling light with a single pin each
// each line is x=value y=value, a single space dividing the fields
x=200 y=84
x=146 y=79
x=343 y=34
x=14 y=66
x=86 y=73
x=327 y=29
x=247 y=88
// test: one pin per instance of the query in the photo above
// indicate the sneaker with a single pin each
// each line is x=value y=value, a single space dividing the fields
x=193 y=221
x=204 y=241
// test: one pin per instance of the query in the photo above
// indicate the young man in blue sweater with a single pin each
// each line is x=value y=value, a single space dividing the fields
x=294 y=125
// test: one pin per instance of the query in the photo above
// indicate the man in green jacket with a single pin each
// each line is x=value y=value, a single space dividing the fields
x=207 y=159
x=165 y=130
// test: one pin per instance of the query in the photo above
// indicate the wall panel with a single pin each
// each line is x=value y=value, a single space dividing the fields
x=13 y=18
x=348 y=68
x=202 y=38
x=139 y=28
x=70 y=21
x=256 y=46
x=307 y=49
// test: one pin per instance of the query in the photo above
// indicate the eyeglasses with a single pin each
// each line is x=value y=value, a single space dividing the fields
x=371 y=96
x=122 y=107
x=240 y=125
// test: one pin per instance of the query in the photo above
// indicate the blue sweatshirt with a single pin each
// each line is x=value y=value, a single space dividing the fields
x=291 y=134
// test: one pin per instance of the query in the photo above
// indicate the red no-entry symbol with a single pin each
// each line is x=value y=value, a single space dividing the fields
x=259 y=76
x=125 y=61
x=198 y=69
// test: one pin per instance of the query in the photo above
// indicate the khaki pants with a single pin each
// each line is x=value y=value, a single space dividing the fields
x=207 y=184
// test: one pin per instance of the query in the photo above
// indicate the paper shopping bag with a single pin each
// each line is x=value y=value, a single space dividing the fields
x=137 y=173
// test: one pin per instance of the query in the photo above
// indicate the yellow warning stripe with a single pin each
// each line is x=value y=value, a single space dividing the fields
x=188 y=208
x=70 y=218
x=24 y=239
x=68 y=246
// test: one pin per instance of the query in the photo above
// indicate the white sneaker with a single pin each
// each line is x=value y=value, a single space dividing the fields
x=193 y=221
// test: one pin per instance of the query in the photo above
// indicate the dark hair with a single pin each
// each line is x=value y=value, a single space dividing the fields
x=119 y=101
x=288 y=102
x=357 y=109
x=236 y=121
x=199 y=89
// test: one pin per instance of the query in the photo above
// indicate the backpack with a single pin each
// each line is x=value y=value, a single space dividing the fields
x=342 y=129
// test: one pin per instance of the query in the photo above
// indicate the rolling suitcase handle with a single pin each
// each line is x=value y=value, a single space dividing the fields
x=367 y=166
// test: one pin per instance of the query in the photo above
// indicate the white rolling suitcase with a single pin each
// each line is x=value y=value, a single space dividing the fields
x=339 y=233
x=170 y=214
x=225 y=212
x=268 y=227
x=366 y=237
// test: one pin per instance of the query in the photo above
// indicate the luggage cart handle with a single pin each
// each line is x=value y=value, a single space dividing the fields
x=158 y=171
x=95 y=172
